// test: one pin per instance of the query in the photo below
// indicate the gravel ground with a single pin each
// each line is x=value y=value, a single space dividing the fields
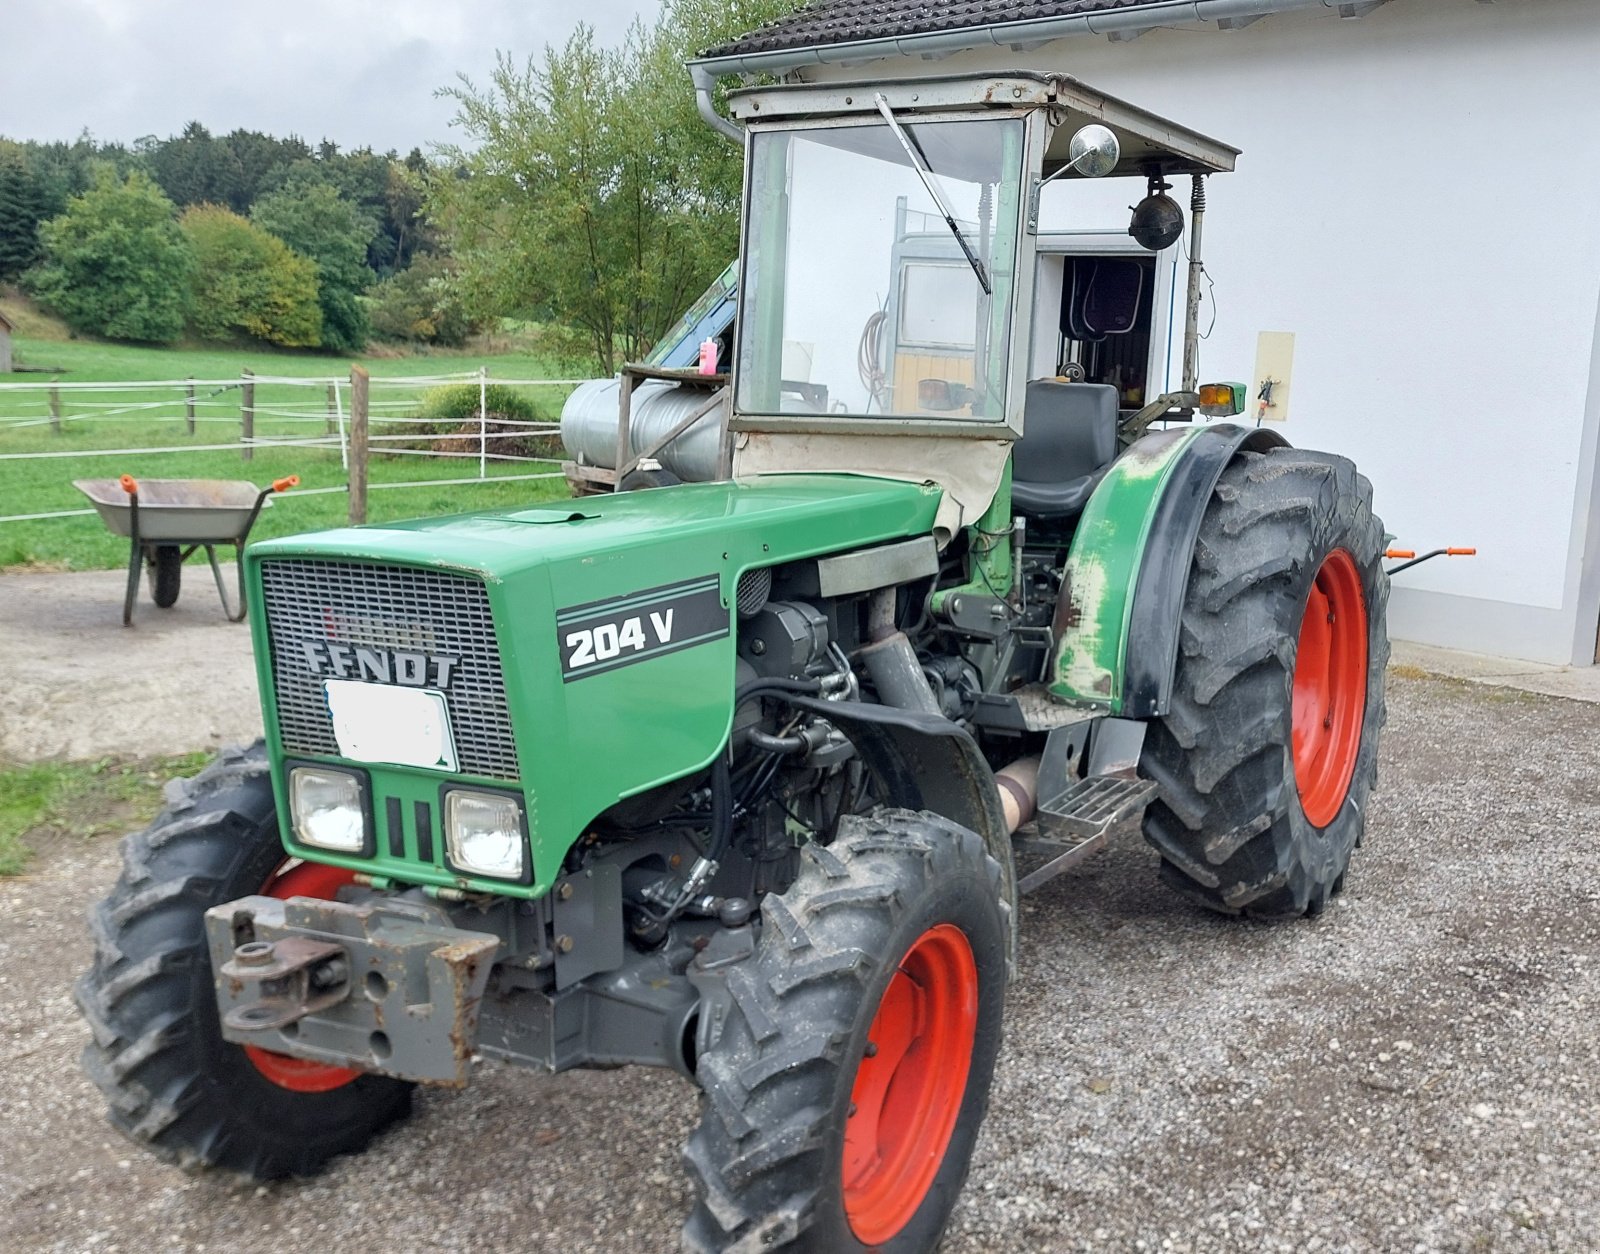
x=1416 y=1070
x=76 y=683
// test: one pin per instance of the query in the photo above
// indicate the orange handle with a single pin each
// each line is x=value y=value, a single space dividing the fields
x=1399 y=553
x=130 y=485
x=1461 y=552
x=283 y=485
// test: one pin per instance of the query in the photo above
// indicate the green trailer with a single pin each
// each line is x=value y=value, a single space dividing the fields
x=743 y=777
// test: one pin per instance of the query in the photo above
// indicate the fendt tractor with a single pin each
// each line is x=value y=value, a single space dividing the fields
x=743 y=776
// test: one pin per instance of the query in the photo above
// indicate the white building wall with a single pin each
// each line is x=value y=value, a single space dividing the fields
x=1415 y=203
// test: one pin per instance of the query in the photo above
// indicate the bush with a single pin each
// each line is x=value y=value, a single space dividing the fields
x=249 y=282
x=452 y=423
x=459 y=402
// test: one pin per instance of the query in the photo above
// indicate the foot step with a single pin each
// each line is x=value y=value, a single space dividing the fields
x=1077 y=821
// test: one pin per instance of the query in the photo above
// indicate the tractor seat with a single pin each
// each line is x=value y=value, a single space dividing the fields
x=1069 y=438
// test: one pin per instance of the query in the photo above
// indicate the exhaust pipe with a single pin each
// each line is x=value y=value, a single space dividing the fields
x=1019 y=791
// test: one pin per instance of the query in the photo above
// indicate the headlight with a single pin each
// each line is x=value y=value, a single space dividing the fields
x=329 y=809
x=484 y=834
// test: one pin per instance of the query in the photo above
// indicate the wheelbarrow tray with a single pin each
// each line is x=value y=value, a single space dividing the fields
x=176 y=511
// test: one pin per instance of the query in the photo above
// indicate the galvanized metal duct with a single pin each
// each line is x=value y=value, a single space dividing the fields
x=589 y=427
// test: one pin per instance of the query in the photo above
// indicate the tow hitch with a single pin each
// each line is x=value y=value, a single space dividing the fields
x=289 y=979
x=383 y=986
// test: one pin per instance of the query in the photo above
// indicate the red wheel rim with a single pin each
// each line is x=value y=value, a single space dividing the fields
x=305 y=879
x=910 y=1083
x=1330 y=688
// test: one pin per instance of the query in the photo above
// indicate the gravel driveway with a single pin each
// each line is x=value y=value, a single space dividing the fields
x=1415 y=1070
x=76 y=683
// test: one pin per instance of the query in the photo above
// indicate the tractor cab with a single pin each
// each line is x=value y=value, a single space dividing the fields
x=897 y=309
x=895 y=284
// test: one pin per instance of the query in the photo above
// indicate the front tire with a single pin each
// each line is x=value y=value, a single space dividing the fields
x=1269 y=752
x=843 y=1099
x=172 y=1082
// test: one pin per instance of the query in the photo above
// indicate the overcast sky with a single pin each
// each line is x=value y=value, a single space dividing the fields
x=359 y=72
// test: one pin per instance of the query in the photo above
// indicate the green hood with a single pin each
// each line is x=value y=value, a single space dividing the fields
x=593 y=722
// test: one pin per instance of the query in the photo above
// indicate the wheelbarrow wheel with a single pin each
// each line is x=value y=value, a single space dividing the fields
x=166 y=575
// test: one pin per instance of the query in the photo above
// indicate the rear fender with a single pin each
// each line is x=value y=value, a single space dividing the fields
x=1118 y=618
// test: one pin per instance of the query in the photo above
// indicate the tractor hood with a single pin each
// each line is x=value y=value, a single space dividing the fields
x=583 y=650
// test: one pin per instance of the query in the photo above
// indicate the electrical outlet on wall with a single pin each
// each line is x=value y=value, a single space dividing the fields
x=1270 y=385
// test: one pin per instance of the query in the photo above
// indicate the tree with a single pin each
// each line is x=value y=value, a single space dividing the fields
x=592 y=194
x=116 y=264
x=249 y=282
x=28 y=197
x=421 y=305
x=317 y=222
x=193 y=168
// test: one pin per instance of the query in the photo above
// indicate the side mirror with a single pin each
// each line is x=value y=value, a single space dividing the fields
x=1094 y=151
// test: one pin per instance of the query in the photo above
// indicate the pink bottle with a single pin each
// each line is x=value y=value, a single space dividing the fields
x=708 y=356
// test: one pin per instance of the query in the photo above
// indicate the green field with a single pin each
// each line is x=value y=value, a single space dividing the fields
x=95 y=421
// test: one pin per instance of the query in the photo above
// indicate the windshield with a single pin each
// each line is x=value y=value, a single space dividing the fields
x=858 y=296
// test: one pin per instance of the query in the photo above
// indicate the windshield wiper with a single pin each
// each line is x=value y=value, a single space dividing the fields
x=931 y=182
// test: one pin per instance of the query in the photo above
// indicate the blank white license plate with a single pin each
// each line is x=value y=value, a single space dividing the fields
x=399 y=726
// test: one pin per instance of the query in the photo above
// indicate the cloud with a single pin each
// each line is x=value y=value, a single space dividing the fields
x=359 y=72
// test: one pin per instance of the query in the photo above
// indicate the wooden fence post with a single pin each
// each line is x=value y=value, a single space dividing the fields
x=55 y=409
x=358 y=445
x=333 y=411
x=188 y=404
x=247 y=416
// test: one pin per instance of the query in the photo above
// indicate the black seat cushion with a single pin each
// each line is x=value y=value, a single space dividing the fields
x=1069 y=437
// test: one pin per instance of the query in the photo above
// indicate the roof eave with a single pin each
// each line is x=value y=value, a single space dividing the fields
x=932 y=45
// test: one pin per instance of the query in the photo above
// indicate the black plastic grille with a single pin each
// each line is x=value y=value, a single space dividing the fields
x=390 y=608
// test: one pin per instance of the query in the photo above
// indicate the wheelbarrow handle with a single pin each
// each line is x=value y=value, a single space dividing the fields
x=284 y=484
x=1417 y=561
x=129 y=484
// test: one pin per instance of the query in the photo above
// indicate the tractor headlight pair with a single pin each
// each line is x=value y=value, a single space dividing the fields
x=485 y=833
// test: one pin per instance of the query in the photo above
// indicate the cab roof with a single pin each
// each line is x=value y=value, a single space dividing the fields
x=1148 y=140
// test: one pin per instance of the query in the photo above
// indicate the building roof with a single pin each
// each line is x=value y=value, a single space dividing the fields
x=834 y=30
x=849 y=21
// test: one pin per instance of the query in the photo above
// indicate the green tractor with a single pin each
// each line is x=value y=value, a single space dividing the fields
x=743 y=777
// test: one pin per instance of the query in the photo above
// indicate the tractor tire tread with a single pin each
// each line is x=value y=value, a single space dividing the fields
x=1227 y=822
x=755 y=1158
x=150 y=964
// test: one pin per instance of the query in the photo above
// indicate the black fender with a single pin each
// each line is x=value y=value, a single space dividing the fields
x=926 y=762
x=1155 y=620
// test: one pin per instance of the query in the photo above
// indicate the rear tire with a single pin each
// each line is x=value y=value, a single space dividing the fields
x=166 y=575
x=158 y=1055
x=894 y=934
x=1270 y=750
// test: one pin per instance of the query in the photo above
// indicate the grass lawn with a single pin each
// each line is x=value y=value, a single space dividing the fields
x=104 y=420
x=53 y=802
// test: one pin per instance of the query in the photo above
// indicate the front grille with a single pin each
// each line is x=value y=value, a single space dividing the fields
x=391 y=608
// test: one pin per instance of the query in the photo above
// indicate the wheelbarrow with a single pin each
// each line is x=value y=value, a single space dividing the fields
x=170 y=520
